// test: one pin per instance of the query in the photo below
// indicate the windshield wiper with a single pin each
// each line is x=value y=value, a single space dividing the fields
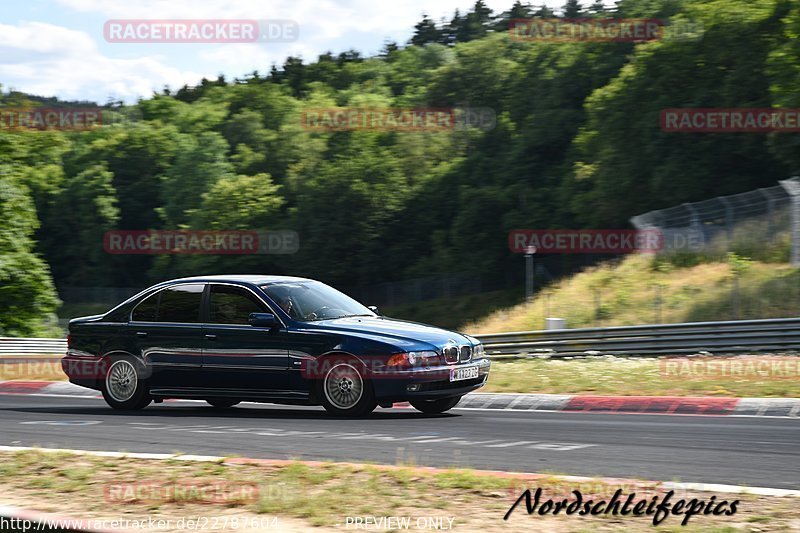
x=318 y=319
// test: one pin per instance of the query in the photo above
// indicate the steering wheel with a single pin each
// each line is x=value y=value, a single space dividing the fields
x=315 y=314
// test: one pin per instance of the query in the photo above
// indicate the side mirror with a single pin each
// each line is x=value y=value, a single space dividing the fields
x=374 y=309
x=263 y=320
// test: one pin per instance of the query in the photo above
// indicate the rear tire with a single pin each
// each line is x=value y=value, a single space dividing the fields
x=124 y=388
x=344 y=390
x=434 y=407
x=222 y=403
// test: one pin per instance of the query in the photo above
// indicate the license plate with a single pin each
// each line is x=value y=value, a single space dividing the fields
x=462 y=373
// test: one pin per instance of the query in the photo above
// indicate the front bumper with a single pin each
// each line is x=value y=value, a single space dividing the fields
x=428 y=383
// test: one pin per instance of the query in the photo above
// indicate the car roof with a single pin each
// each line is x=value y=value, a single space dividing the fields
x=255 y=279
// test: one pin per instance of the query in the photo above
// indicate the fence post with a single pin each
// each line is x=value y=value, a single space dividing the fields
x=657 y=303
x=597 y=305
x=792 y=187
x=728 y=218
x=770 y=211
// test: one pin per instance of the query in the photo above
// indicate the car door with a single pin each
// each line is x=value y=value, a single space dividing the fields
x=168 y=335
x=238 y=357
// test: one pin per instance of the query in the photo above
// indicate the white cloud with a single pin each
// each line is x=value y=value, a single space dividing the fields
x=47 y=60
x=50 y=59
x=318 y=19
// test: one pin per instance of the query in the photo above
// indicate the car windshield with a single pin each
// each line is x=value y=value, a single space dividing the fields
x=311 y=300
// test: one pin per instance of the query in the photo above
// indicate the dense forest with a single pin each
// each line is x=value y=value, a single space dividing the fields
x=576 y=143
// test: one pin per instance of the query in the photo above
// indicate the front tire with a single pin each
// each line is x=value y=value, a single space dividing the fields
x=344 y=390
x=434 y=407
x=123 y=387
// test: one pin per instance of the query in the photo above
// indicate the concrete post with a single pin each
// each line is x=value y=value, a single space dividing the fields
x=792 y=187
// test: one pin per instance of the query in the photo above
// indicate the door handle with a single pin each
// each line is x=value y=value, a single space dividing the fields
x=141 y=334
x=211 y=337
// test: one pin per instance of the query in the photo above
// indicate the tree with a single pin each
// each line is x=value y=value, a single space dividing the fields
x=474 y=25
x=294 y=75
x=77 y=218
x=389 y=51
x=239 y=203
x=572 y=9
x=200 y=162
x=518 y=11
x=425 y=32
x=784 y=72
x=27 y=295
x=544 y=12
x=343 y=209
x=619 y=150
x=452 y=30
x=597 y=8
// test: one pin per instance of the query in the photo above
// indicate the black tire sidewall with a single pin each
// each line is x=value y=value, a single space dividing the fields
x=433 y=407
x=221 y=403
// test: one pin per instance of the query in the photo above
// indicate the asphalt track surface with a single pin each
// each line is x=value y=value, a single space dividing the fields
x=754 y=451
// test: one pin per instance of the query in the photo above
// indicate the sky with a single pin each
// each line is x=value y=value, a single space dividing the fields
x=58 y=47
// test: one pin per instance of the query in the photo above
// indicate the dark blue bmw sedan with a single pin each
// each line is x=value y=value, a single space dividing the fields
x=277 y=339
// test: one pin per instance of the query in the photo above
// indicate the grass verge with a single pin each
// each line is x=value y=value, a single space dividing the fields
x=324 y=495
x=741 y=377
x=643 y=290
x=31 y=368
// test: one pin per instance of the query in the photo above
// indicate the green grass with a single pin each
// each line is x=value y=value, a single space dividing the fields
x=643 y=290
x=622 y=376
x=325 y=494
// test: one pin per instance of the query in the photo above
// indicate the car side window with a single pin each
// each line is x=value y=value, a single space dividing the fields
x=233 y=305
x=175 y=304
x=180 y=304
x=147 y=310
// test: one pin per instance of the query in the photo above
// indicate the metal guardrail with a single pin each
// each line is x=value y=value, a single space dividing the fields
x=14 y=346
x=689 y=337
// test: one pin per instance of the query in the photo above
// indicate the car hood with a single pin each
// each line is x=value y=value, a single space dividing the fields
x=393 y=329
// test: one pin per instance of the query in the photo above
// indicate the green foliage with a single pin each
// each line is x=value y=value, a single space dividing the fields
x=27 y=295
x=200 y=162
x=79 y=214
x=240 y=202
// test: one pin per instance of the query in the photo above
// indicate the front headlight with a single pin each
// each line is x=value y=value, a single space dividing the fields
x=425 y=358
x=478 y=352
x=413 y=359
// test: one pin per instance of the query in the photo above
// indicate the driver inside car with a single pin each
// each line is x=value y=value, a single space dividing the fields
x=287 y=305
